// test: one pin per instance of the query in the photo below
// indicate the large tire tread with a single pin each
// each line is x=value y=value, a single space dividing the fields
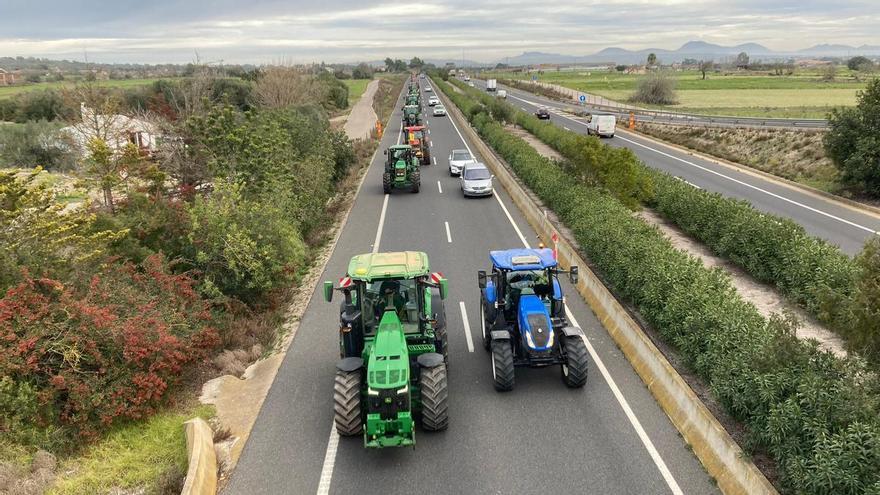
x=502 y=364
x=435 y=398
x=577 y=363
x=347 y=403
x=386 y=183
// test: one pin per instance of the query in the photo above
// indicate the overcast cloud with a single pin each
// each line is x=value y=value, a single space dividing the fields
x=350 y=30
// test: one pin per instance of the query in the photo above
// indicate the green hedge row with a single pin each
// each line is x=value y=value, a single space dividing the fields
x=816 y=415
x=809 y=271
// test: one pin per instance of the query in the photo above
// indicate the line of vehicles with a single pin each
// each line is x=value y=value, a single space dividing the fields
x=393 y=340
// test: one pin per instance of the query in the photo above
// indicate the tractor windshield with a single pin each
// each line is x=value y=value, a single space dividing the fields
x=399 y=295
x=529 y=281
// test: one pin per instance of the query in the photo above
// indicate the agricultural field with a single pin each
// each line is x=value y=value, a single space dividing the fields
x=356 y=88
x=801 y=95
x=9 y=91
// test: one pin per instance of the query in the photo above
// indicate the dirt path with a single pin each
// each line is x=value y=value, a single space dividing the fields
x=362 y=118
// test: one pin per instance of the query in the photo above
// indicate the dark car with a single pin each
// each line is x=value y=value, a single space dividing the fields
x=542 y=113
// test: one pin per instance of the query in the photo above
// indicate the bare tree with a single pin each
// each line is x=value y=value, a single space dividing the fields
x=280 y=87
x=705 y=66
x=829 y=72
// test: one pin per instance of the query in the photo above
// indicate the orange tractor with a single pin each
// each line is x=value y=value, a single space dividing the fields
x=417 y=138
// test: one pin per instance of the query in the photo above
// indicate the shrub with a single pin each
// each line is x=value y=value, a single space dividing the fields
x=152 y=225
x=656 y=88
x=74 y=360
x=35 y=144
x=243 y=247
x=853 y=142
x=817 y=415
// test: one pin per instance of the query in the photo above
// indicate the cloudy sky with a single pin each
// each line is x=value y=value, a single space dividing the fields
x=263 y=31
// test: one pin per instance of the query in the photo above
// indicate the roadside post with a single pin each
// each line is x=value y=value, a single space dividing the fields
x=632 y=120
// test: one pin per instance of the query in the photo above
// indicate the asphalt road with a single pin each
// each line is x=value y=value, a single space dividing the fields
x=840 y=224
x=608 y=438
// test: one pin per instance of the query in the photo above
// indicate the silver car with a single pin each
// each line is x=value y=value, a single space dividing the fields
x=476 y=180
x=458 y=159
x=433 y=101
x=439 y=110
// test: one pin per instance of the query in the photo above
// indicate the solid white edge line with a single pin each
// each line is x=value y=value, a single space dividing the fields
x=746 y=184
x=381 y=224
x=329 y=462
x=448 y=234
x=439 y=187
x=630 y=415
x=467 y=327
x=621 y=400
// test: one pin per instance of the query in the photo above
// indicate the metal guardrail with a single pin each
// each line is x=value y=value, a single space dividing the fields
x=665 y=117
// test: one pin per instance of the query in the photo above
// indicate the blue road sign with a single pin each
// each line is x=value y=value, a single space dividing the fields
x=583 y=98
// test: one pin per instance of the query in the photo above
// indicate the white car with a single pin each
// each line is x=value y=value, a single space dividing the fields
x=439 y=110
x=428 y=89
x=458 y=159
x=476 y=180
x=433 y=101
x=471 y=84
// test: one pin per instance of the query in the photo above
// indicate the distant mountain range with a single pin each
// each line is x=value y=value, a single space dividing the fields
x=692 y=49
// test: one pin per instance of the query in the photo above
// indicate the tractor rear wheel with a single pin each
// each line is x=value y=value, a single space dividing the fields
x=386 y=183
x=435 y=398
x=574 y=370
x=502 y=365
x=347 y=402
x=416 y=181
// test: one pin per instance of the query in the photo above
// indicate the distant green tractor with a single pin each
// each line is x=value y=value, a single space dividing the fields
x=413 y=99
x=393 y=349
x=401 y=169
x=412 y=115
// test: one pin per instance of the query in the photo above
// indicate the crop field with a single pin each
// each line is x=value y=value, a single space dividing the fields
x=8 y=91
x=802 y=95
x=356 y=88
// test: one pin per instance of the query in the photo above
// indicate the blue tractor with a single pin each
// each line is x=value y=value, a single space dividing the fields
x=523 y=321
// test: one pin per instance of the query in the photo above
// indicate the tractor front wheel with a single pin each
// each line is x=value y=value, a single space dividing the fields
x=347 y=402
x=440 y=334
x=574 y=370
x=416 y=181
x=386 y=183
x=502 y=365
x=486 y=322
x=435 y=398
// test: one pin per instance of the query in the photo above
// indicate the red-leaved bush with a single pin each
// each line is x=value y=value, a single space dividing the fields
x=75 y=359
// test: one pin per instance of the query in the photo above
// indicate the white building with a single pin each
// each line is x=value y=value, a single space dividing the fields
x=115 y=129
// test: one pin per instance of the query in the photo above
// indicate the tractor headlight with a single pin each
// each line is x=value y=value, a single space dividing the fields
x=529 y=340
x=373 y=392
x=403 y=390
x=550 y=340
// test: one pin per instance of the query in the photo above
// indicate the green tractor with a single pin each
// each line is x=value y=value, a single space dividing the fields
x=393 y=349
x=401 y=169
x=412 y=115
x=414 y=100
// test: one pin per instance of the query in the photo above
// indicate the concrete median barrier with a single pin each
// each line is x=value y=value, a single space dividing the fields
x=201 y=477
x=716 y=450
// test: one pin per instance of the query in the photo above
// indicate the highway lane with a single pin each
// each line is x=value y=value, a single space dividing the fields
x=836 y=222
x=540 y=438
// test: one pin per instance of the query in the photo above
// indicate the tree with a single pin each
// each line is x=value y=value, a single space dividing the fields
x=652 y=59
x=620 y=68
x=281 y=87
x=742 y=60
x=656 y=88
x=107 y=168
x=853 y=142
x=705 y=66
x=856 y=63
x=362 y=71
x=416 y=63
x=829 y=72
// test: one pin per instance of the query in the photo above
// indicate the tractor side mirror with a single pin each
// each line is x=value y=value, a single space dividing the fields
x=328 y=291
x=573 y=274
x=481 y=279
x=444 y=288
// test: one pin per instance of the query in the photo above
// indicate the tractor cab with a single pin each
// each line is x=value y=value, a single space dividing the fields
x=418 y=139
x=392 y=337
x=523 y=318
x=411 y=115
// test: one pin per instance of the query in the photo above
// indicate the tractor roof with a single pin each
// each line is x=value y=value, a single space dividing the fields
x=400 y=147
x=523 y=259
x=403 y=264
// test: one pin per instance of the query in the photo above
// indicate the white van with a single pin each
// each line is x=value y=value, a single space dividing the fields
x=601 y=125
x=502 y=93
